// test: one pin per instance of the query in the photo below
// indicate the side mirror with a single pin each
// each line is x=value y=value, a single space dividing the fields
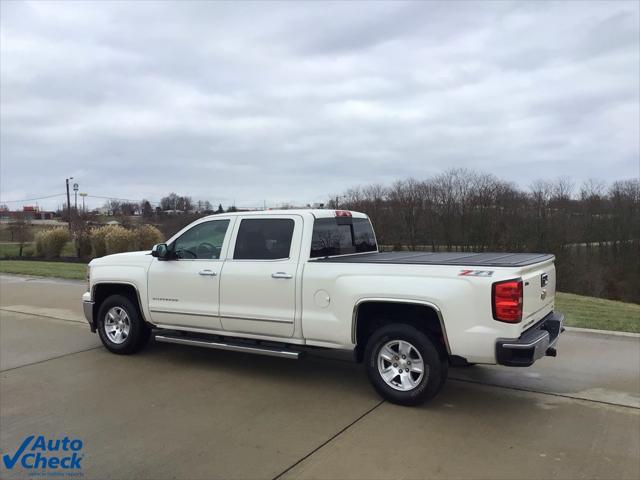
x=160 y=251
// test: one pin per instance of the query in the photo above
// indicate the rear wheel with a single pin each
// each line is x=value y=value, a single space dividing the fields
x=404 y=365
x=120 y=326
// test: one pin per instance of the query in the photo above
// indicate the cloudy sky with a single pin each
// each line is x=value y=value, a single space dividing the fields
x=295 y=101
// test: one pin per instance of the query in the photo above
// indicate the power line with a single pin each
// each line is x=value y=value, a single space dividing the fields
x=102 y=197
x=120 y=199
x=32 y=199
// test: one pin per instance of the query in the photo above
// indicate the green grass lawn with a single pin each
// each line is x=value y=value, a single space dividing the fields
x=8 y=249
x=69 y=250
x=598 y=313
x=75 y=271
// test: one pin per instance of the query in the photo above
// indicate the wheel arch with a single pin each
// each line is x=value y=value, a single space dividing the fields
x=100 y=291
x=423 y=313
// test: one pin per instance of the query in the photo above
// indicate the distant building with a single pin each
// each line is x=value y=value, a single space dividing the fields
x=28 y=212
x=101 y=211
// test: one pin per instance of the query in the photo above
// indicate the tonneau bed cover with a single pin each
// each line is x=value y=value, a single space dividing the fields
x=444 y=258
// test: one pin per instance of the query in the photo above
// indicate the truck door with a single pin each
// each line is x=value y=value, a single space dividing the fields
x=183 y=291
x=258 y=282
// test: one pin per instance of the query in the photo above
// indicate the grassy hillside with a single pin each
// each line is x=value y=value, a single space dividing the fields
x=598 y=313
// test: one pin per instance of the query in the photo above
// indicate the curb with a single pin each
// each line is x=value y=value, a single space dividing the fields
x=603 y=332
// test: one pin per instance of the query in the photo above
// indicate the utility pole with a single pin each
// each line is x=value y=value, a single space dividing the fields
x=68 y=202
x=83 y=207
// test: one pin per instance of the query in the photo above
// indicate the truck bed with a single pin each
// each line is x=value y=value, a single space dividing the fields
x=467 y=259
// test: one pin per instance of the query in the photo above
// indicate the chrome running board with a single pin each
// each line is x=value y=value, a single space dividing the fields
x=259 y=350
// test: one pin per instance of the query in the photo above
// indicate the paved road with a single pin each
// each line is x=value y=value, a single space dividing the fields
x=181 y=412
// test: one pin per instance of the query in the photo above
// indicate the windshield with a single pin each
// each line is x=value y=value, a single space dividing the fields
x=342 y=236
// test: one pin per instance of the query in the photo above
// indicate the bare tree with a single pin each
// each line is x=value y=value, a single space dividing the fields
x=20 y=230
x=406 y=201
x=146 y=209
x=170 y=202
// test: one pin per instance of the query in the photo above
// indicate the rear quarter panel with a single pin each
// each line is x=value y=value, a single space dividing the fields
x=464 y=302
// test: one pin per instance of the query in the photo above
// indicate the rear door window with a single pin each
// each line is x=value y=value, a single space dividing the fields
x=342 y=236
x=264 y=239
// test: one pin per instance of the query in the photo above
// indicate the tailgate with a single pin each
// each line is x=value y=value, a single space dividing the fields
x=539 y=291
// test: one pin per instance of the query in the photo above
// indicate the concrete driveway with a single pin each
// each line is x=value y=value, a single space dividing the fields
x=181 y=412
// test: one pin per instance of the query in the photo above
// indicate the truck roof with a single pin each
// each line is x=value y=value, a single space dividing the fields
x=315 y=212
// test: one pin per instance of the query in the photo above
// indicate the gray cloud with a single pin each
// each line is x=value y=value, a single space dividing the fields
x=295 y=101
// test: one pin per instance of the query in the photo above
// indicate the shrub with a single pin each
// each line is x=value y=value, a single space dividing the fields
x=96 y=238
x=115 y=239
x=38 y=241
x=49 y=243
x=119 y=239
x=147 y=236
x=28 y=251
x=83 y=244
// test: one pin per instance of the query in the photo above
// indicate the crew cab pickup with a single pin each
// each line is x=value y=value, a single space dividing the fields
x=286 y=282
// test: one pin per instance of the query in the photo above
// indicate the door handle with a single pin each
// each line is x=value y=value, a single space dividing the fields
x=208 y=272
x=281 y=275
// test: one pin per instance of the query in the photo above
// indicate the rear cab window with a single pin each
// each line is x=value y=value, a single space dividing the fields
x=342 y=235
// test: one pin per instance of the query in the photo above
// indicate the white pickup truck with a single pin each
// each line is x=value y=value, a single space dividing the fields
x=282 y=283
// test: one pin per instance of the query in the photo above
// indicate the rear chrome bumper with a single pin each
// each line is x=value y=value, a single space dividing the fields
x=535 y=343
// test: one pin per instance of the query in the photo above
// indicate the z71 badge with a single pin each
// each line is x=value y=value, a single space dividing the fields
x=475 y=273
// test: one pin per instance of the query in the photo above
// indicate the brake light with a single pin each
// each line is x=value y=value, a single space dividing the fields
x=506 y=301
x=343 y=213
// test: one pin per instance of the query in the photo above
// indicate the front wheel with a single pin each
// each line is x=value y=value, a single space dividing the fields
x=404 y=365
x=121 y=327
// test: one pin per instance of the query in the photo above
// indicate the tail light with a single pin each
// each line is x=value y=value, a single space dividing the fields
x=343 y=213
x=506 y=301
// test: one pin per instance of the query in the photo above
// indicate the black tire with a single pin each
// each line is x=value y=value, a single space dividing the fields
x=433 y=378
x=139 y=331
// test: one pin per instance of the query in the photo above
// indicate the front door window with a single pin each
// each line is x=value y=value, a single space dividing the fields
x=204 y=241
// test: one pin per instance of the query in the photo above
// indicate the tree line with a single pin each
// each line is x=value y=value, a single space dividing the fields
x=169 y=203
x=592 y=228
